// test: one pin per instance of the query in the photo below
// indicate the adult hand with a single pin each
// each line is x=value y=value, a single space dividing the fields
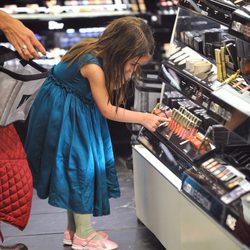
x=152 y=122
x=22 y=38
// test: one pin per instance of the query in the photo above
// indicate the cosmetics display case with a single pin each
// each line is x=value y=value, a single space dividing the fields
x=200 y=159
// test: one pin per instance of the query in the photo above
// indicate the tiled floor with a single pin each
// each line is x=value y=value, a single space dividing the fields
x=46 y=225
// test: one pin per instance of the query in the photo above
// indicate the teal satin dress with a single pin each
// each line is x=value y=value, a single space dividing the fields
x=68 y=143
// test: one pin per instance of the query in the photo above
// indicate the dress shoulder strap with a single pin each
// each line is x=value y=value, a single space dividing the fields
x=89 y=58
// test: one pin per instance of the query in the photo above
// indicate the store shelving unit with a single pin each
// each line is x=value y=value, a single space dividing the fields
x=206 y=145
x=46 y=19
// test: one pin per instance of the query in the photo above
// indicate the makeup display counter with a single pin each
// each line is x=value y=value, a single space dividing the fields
x=192 y=175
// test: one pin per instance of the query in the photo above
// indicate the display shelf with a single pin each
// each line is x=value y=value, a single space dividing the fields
x=216 y=10
x=203 y=90
x=49 y=23
x=206 y=98
x=61 y=12
x=194 y=88
x=225 y=12
x=70 y=16
x=197 y=56
x=211 y=82
x=240 y=24
x=38 y=17
x=73 y=15
x=41 y=23
x=177 y=214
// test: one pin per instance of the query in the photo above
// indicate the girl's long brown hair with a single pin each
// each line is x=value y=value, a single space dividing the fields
x=122 y=40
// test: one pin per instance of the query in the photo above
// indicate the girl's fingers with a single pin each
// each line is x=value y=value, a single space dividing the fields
x=163 y=119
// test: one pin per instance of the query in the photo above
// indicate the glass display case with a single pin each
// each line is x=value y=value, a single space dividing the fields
x=206 y=96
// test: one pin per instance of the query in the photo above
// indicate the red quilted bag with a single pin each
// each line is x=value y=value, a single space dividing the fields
x=16 y=186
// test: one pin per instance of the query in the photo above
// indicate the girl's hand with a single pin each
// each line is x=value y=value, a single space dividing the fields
x=152 y=122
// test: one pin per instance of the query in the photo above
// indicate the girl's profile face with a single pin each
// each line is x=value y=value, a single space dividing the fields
x=131 y=65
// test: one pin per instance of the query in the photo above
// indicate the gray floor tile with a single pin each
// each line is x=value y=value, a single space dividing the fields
x=46 y=225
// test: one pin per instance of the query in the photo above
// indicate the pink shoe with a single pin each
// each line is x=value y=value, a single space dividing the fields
x=89 y=244
x=69 y=235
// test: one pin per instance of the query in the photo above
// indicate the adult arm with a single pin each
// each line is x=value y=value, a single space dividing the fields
x=22 y=38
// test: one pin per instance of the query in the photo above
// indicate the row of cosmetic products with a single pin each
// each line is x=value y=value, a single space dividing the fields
x=183 y=123
x=229 y=176
x=54 y=7
x=135 y=5
x=86 y=2
x=220 y=64
x=237 y=82
x=168 y=3
x=194 y=63
x=238 y=2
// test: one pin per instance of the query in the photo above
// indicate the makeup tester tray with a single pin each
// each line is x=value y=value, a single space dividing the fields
x=180 y=153
x=182 y=146
x=170 y=156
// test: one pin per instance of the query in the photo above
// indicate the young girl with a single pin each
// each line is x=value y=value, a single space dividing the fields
x=68 y=142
